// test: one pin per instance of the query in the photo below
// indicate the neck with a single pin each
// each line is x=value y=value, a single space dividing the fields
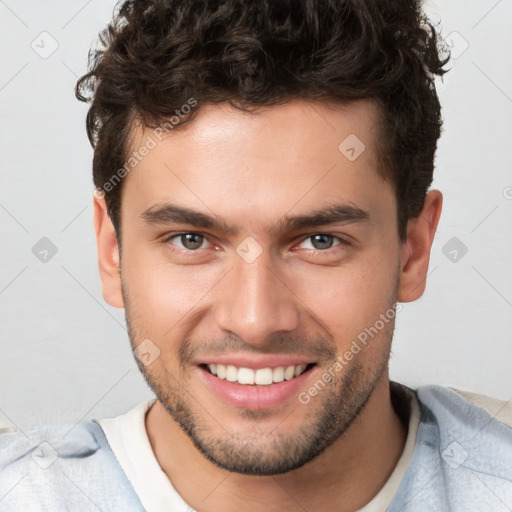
x=350 y=472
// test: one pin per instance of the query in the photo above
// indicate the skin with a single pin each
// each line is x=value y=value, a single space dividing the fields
x=250 y=171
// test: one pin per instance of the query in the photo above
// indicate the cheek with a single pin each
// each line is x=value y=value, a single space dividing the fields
x=347 y=300
x=162 y=295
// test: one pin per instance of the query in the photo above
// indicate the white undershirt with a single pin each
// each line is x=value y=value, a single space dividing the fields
x=129 y=441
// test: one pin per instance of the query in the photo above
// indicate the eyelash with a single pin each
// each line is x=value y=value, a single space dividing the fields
x=167 y=240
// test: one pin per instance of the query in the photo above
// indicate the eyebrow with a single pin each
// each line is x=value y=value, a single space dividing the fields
x=334 y=214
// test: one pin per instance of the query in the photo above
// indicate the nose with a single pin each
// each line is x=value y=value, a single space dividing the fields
x=254 y=302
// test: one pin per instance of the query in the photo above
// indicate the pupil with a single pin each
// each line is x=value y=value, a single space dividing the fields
x=191 y=240
x=322 y=241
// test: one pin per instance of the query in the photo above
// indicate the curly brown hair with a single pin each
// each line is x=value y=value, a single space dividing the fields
x=157 y=54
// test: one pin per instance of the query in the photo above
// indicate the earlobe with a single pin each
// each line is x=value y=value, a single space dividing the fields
x=108 y=254
x=415 y=250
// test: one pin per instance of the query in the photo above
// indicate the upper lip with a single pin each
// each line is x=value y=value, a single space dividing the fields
x=256 y=361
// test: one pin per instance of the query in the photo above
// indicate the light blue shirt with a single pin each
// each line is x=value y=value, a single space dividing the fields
x=462 y=461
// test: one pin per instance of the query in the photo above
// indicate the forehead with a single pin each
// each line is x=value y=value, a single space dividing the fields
x=255 y=165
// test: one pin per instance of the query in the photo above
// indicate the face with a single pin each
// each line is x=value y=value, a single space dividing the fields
x=255 y=253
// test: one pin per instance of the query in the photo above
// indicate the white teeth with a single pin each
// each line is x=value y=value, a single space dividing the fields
x=289 y=373
x=263 y=376
x=221 y=371
x=299 y=369
x=278 y=374
x=231 y=373
x=260 y=377
x=245 y=376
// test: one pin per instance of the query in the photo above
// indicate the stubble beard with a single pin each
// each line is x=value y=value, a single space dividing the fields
x=261 y=452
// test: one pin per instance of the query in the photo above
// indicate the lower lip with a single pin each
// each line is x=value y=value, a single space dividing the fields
x=255 y=396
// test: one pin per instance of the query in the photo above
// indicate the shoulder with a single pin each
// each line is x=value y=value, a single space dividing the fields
x=48 y=442
x=462 y=458
x=468 y=445
x=51 y=467
x=501 y=410
x=466 y=407
x=478 y=423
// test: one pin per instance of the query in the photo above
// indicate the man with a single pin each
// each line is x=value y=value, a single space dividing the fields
x=262 y=209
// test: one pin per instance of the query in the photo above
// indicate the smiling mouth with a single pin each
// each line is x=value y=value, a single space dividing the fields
x=257 y=377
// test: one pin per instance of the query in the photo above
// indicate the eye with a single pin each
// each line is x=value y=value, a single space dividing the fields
x=189 y=241
x=322 y=241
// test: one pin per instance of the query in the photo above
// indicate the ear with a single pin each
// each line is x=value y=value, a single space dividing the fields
x=415 y=250
x=108 y=253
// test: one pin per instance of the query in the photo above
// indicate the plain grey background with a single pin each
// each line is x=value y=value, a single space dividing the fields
x=65 y=354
